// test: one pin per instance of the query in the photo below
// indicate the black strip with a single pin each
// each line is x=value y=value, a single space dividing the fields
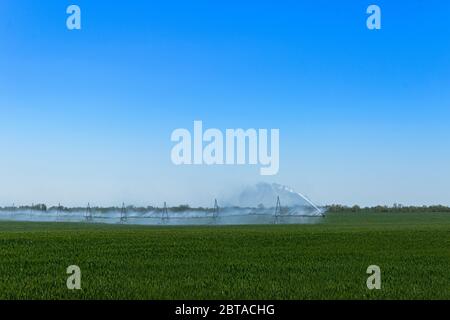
x=263 y=309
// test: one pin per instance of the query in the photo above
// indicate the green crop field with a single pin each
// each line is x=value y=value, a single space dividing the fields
x=327 y=260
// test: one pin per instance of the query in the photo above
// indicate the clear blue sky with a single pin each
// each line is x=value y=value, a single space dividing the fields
x=364 y=116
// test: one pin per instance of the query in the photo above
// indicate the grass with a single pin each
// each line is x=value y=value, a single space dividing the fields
x=327 y=260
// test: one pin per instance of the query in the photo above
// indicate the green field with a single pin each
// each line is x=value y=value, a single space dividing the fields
x=327 y=260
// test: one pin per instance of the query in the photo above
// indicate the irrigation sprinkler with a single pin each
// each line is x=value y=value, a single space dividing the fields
x=277 y=210
x=88 y=213
x=58 y=211
x=216 y=209
x=165 y=213
x=123 y=213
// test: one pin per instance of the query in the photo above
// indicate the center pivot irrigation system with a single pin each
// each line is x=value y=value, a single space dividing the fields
x=279 y=212
x=180 y=215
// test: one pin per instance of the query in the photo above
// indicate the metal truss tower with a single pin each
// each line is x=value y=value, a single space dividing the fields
x=57 y=211
x=123 y=213
x=277 y=210
x=165 y=213
x=216 y=209
x=88 y=213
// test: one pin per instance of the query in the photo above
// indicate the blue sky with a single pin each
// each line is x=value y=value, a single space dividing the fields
x=87 y=115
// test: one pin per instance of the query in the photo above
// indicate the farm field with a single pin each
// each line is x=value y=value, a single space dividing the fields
x=327 y=260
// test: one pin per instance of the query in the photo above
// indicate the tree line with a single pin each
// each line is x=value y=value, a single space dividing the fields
x=396 y=208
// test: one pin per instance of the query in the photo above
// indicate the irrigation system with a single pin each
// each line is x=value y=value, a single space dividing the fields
x=183 y=215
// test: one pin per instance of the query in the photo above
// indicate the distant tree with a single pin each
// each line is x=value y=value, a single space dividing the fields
x=181 y=208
